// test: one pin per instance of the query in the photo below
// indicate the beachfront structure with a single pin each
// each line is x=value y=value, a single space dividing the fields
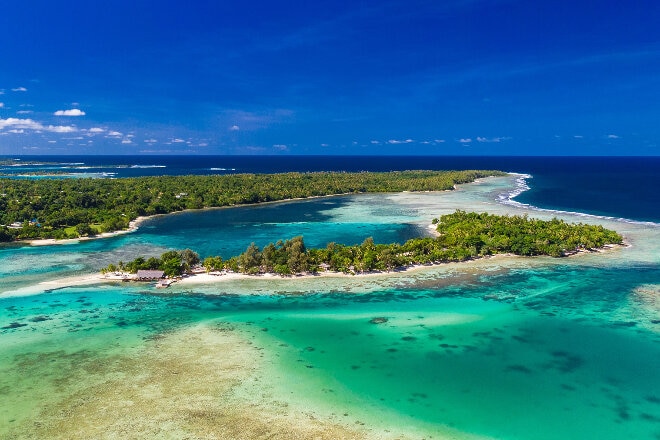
x=149 y=275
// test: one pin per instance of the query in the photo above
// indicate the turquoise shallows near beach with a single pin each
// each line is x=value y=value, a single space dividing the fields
x=506 y=347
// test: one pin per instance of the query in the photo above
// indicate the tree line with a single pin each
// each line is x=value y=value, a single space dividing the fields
x=462 y=236
x=173 y=263
x=71 y=208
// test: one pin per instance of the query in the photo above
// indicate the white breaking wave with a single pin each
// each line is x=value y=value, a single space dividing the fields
x=148 y=166
x=521 y=186
x=25 y=165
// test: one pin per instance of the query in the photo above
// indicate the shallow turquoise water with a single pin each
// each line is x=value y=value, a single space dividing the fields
x=503 y=369
x=444 y=356
x=567 y=349
x=224 y=232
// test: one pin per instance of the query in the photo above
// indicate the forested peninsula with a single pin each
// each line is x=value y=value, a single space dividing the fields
x=461 y=236
x=72 y=208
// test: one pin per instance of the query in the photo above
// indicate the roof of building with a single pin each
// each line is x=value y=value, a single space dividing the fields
x=150 y=274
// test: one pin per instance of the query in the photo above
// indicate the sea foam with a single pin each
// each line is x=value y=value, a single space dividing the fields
x=520 y=186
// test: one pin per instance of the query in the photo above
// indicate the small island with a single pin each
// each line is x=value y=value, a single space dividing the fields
x=74 y=208
x=461 y=236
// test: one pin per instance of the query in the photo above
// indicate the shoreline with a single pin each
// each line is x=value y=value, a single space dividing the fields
x=197 y=279
x=521 y=186
x=214 y=278
x=134 y=224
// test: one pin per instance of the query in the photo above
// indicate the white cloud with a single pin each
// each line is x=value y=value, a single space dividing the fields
x=17 y=131
x=96 y=130
x=72 y=112
x=397 y=142
x=2 y=104
x=234 y=128
x=150 y=141
x=253 y=149
x=612 y=136
x=439 y=141
x=178 y=141
x=155 y=151
x=24 y=112
x=19 y=89
x=2 y=91
x=31 y=124
x=577 y=136
x=280 y=147
x=60 y=129
x=495 y=139
x=325 y=145
x=114 y=134
x=375 y=142
x=126 y=141
x=255 y=120
x=20 y=123
x=465 y=140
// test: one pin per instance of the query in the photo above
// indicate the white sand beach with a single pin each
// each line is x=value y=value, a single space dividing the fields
x=132 y=226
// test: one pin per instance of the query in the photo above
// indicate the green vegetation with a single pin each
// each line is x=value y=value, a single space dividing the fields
x=462 y=236
x=13 y=162
x=173 y=263
x=487 y=234
x=50 y=208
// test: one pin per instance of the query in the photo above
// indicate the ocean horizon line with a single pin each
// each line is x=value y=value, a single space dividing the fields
x=471 y=156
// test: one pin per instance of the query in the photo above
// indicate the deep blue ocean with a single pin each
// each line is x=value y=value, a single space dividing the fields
x=623 y=187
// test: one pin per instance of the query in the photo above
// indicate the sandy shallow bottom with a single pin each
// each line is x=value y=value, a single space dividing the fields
x=205 y=381
x=180 y=385
x=202 y=382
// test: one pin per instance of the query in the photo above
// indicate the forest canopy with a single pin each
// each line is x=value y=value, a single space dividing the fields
x=71 y=208
x=462 y=236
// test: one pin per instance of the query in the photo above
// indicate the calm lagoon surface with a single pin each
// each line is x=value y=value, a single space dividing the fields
x=507 y=348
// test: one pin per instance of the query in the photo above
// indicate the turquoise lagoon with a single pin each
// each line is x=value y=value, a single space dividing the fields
x=506 y=348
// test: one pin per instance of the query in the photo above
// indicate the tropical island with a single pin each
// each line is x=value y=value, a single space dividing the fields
x=23 y=163
x=461 y=236
x=73 y=208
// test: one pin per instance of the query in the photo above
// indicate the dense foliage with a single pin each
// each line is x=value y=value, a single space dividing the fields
x=486 y=234
x=69 y=208
x=462 y=236
x=173 y=263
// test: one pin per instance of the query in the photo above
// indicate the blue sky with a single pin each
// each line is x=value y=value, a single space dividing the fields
x=457 y=77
